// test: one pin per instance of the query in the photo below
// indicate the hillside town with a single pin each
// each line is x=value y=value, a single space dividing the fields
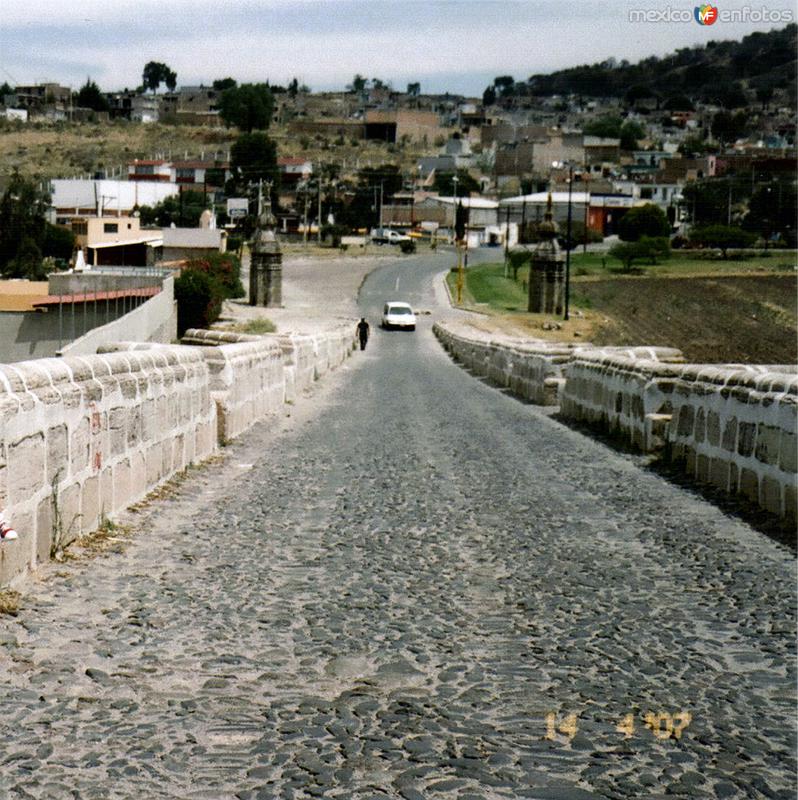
x=343 y=169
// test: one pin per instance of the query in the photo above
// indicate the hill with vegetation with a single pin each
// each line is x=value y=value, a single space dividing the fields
x=761 y=67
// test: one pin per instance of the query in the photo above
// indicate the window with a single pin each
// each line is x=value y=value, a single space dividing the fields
x=110 y=227
x=80 y=228
x=145 y=169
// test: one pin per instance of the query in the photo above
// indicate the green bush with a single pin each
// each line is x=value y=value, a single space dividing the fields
x=199 y=300
x=408 y=247
x=225 y=268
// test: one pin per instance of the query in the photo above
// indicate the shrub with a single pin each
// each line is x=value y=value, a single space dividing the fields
x=408 y=247
x=225 y=268
x=199 y=300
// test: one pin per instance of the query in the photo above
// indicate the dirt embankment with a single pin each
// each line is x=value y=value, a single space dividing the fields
x=724 y=319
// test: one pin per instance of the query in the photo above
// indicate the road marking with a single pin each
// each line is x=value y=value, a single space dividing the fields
x=396 y=288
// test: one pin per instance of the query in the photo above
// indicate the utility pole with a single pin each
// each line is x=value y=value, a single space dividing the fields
x=507 y=243
x=318 y=224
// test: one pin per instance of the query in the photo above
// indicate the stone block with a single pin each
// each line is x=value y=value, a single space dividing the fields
x=788 y=452
x=686 y=420
x=80 y=447
x=26 y=468
x=117 y=425
x=44 y=530
x=122 y=487
x=90 y=503
x=730 y=435
x=767 y=444
x=702 y=468
x=700 y=425
x=719 y=473
x=770 y=494
x=67 y=522
x=713 y=428
x=153 y=465
x=133 y=427
x=57 y=453
x=106 y=492
x=749 y=485
x=138 y=477
x=746 y=438
x=734 y=478
x=689 y=460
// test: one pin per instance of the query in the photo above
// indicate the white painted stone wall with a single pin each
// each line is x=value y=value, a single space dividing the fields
x=81 y=438
x=532 y=369
x=732 y=426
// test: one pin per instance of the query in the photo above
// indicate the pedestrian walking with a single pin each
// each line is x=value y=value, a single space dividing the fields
x=363 y=332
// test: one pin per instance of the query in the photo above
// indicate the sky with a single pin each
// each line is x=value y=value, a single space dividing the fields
x=457 y=46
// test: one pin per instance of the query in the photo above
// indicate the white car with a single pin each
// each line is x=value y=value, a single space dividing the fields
x=398 y=315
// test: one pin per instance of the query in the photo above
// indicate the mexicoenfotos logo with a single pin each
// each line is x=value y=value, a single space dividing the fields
x=706 y=15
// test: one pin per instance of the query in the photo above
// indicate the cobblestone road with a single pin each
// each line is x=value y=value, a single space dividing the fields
x=424 y=589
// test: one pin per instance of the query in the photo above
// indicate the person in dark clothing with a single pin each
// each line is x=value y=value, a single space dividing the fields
x=363 y=332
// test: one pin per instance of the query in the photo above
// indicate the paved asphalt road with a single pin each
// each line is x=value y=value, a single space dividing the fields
x=426 y=589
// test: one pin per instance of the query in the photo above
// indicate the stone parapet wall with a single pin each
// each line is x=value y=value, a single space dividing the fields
x=732 y=426
x=82 y=438
x=532 y=369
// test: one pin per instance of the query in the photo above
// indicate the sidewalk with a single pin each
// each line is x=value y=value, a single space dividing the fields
x=317 y=294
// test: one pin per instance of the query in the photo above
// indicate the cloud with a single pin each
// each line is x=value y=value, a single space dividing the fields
x=325 y=42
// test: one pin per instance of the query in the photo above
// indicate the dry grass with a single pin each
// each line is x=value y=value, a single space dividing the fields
x=68 y=150
x=10 y=602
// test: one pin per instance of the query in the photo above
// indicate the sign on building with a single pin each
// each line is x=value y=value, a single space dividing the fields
x=237 y=207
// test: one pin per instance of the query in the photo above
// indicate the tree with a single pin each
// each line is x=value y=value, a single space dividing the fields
x=607 y=127
x=155 y=73
x=505 y=84
x=58 y=242
x=293 y=88
x=647 y=220
x=723 y=237
x=91 y=97
x=248 y=107
x=629 y=134
x=728 y=127
x=183 y=211
x=773 y=209
x=444 y=184
x=678 y=102
x=222 y=84
x=707 y=202
x=414 y=89
x=23 y=209
x=6 y=89
x=647 y=247
x=358 y=84
x=253 y=157
x=489 y=96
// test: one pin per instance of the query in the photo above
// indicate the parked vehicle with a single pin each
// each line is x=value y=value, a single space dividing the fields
x=386 y=236
x=398 y=315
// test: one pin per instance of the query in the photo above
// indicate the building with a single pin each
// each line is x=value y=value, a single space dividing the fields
x=42 y=96
x=532 y=207
x=74 y=197
x=391 y=126
x=187 y=243
x=115 y=241
x=293 y=171
x=150 y=170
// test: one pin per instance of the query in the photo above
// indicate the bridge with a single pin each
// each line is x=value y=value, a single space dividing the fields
x=405 y=584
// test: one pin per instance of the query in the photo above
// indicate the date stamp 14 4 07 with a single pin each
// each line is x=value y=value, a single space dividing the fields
x=663 y=725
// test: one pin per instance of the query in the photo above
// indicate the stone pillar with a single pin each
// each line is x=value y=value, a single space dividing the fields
x=265 y=262
x=546 y=270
